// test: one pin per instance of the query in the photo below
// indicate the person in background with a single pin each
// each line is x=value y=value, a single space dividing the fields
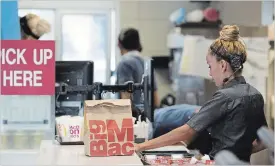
x=131 y=66
x=33 y=27
x=236 y=110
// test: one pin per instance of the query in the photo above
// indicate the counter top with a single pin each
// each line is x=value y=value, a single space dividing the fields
x=51 y=153
x=55 y=154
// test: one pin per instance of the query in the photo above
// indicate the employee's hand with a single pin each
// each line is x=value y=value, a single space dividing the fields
x=179 y=134
x=138 y=148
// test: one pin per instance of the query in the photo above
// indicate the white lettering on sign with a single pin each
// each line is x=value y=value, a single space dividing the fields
x=19 y=78
x=42 y=57
x=27 y=67
x=23 y=78
x=13 y=56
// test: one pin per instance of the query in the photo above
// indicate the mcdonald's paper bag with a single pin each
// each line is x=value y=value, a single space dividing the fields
x=70 y=129
x=108 y=128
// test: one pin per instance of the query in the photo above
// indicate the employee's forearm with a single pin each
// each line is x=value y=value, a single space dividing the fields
x=170 y=138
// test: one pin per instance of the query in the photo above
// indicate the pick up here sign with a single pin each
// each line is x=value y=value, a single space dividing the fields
x=27 y=67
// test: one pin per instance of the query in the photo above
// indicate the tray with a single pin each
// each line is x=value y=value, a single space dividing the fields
x=167 y=153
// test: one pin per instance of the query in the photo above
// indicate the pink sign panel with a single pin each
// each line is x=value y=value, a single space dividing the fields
x=27 y=67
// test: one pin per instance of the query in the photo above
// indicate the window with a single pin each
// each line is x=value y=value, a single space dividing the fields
x=46 y=14
x=85 y=37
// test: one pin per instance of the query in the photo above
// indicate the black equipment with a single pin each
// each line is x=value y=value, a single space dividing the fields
x=86 y=87
x=74 y=73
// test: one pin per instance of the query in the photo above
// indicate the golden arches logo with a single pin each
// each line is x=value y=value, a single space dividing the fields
x=62 y=129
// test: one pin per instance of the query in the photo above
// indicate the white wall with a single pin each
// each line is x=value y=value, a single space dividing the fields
x=152 y=20
x=246 y=13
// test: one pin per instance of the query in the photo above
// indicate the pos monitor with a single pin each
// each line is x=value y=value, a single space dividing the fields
x=75 y=73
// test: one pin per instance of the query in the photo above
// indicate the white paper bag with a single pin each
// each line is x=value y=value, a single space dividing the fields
x=70 y=129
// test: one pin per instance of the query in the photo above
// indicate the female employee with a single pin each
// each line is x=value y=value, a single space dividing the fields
x=236 y=110
x=33 y=27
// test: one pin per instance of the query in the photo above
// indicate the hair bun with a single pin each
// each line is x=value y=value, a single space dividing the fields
x=230 y=33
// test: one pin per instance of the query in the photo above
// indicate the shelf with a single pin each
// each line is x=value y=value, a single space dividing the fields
x=205 y=24
x=207 y=2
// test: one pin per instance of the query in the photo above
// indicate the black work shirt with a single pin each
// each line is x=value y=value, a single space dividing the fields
x=232 y=117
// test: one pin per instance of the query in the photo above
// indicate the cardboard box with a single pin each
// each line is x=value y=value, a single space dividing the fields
x=108 y=128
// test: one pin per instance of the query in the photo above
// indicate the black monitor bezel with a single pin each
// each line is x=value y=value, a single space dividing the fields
x=88 y=70
x=149 y=89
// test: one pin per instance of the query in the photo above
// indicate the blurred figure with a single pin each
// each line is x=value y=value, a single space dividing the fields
x=33 y=27
x=131 y=66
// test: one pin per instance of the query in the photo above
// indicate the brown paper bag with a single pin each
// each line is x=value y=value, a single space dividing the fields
x=108 y=128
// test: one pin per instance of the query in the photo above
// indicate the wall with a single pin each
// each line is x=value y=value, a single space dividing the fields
x=152 y=20
x=248 y=13
x=240 y=12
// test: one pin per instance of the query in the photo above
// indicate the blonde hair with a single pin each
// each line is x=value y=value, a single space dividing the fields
x=38 y=26
x=229 y=47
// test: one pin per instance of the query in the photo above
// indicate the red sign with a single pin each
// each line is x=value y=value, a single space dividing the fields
x=27 y=67
x=108 y=140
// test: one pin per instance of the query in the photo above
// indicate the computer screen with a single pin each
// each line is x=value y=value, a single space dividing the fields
x=148 y=90
x=75 y=73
